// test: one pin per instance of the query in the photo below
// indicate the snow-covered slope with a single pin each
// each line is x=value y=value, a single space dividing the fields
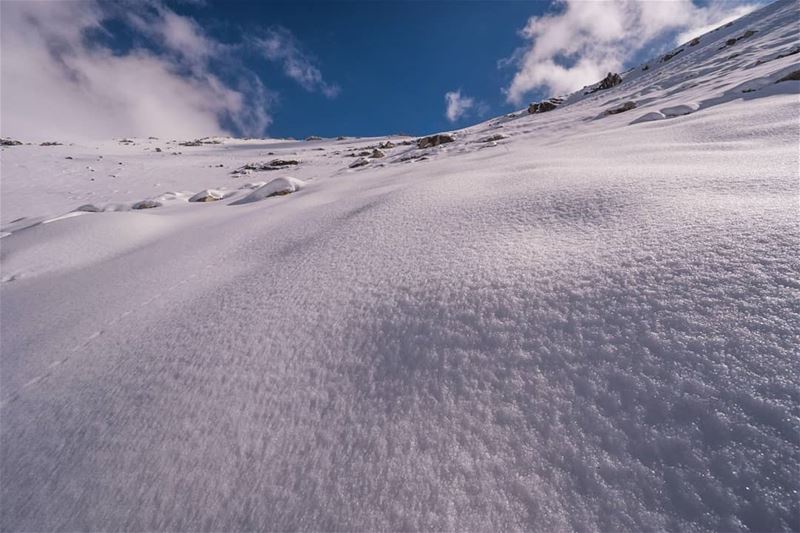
x=567 y=320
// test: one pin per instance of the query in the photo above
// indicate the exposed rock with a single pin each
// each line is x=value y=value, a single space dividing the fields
x=789 y=53
x=208 y=195
x=360 y=162
x=695 y=41
x=89 y=208
x=340 y=138
x=386 y=145
x=275 y=164
x=313 y=138
x=283 y=162
x=363 y=153
x=745 y=35
x=434 y=140
x=50 y=143
x=200 y=142
x=544 y=106
x=669 y=56
x=9 y=142
x=146 y=204
x=68 y=157
x=610 y=81
x=158 y=149
x=492 y=138
x=646 y=67
x=376 y=154
x=792 y=76
x=627 y=106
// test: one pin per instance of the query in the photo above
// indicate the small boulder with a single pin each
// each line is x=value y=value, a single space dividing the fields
x=146 y=204
x=669 y=56
x=627 y=106
x=386 y=145
x=377 y=154
x=434 y=140
x=695 y=41
x=158 y=149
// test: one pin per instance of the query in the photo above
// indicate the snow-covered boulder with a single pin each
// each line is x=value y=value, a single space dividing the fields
x=276 y=187
x=207 y=195
x=360 y=162
x=89 y=208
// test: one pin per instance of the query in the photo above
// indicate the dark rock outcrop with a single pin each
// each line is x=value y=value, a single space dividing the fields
x=434 y=140
x=10 y=142
x=544 y=106
x=612 y=79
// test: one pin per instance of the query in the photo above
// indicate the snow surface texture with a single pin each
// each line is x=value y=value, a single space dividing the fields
x=580 y=324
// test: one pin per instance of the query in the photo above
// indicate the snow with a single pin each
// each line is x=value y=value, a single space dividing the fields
x=590 y=325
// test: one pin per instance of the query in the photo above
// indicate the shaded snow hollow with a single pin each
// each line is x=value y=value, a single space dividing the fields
x=587 y=322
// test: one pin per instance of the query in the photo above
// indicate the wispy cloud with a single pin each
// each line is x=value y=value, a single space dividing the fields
x=457 y=105
x=460 y=106
x=586 y=39
x=278 y=44
x=58 y=83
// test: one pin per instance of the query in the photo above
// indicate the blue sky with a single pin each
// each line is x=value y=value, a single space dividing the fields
x=393 y=62
x=181 y=68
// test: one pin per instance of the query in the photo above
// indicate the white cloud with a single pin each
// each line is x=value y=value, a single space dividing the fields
x=586 y=39
x=56 y=84
x=457 y=105
x=279 y=45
